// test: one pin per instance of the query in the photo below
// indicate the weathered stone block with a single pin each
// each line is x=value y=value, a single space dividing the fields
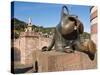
x=59 y=61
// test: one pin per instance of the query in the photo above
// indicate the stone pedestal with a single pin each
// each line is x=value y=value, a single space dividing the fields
x=58 y=61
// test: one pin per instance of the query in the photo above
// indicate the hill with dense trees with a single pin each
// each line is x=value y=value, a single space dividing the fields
x=18 y=26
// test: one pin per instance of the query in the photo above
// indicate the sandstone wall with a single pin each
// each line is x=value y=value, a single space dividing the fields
x=59 y=61
x=27 y=43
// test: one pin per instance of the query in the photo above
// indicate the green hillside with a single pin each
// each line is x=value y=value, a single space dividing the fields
x=19 y=26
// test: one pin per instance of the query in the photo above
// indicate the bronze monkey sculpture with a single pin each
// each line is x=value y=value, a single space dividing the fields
x=67 y=36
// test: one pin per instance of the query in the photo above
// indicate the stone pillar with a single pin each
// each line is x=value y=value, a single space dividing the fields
x=93 y=20
x=28 y=43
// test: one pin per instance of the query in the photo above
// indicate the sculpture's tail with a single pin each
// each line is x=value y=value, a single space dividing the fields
x=87 y=47
x=91 y=49
x=91 y=56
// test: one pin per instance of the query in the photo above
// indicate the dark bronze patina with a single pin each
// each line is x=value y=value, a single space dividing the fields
x=67 y=36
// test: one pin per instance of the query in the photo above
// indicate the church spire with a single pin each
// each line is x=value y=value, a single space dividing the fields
x=29 y=26
x=29 y=22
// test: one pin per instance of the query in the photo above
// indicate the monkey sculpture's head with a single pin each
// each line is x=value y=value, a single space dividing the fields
x=69 y=23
